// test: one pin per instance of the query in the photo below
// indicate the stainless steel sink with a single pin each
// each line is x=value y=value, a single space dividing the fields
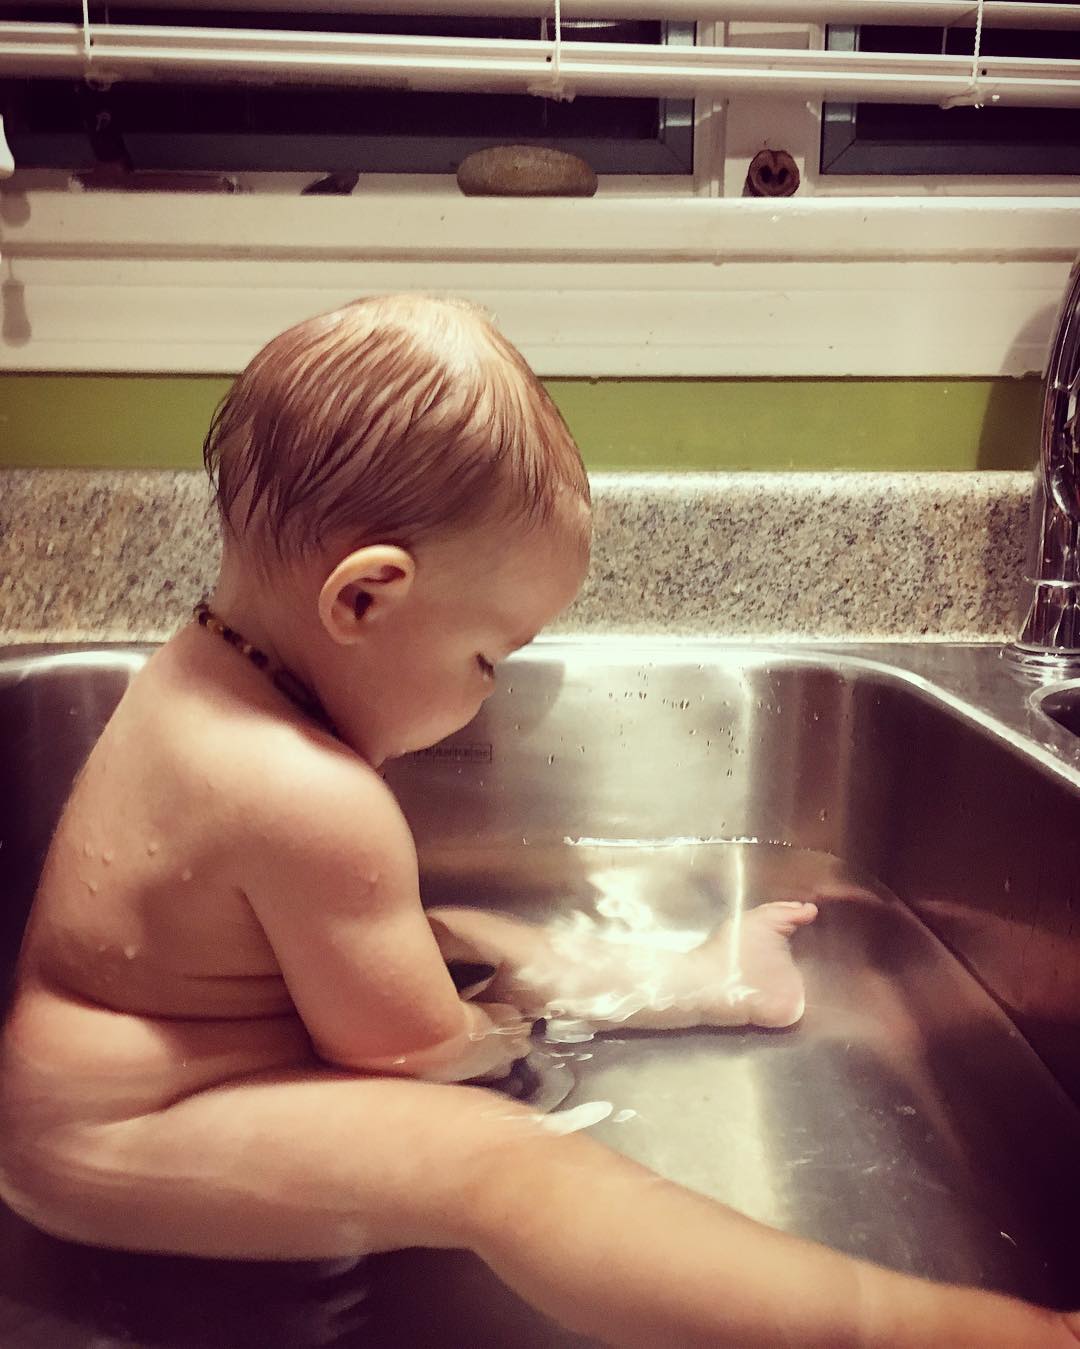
x=925 y=1112
x=1061 y=703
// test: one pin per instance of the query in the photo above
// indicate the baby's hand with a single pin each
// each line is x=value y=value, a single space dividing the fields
x=499 y=1037
x=494 y=1038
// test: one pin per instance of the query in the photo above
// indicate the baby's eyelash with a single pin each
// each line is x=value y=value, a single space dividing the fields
x=486 y=666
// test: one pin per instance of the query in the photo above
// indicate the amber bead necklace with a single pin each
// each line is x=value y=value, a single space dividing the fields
x=282 y=679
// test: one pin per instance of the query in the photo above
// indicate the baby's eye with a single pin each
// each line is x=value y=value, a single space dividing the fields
x=486 y=667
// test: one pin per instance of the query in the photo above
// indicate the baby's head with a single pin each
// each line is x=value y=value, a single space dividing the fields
x=396 y=417
x=395 y=484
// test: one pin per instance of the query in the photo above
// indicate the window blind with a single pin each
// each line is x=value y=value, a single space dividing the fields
x=108 y=51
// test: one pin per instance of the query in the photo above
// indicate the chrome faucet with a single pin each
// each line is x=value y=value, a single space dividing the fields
x=1048 y=645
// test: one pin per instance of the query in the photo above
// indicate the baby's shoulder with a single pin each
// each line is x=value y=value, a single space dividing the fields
x=301 y=788
x=267 y=783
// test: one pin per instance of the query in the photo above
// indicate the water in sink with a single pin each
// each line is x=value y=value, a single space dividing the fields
x=896 y=1122
x=867 y=1085
x=905 y=1119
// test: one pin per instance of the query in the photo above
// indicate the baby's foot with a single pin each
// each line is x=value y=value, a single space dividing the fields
x=764 y=987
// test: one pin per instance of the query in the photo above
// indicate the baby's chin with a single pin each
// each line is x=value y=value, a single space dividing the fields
x=403 y=751
x=374 y=748
x=400 y=742
x=425 y=738
x=385 y=756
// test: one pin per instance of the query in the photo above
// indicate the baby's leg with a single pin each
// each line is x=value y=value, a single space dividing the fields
x=744 y=974
x=323 y=1164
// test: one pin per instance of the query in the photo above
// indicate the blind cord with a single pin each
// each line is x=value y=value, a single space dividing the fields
x=87 y=40
x=972 y=96
x=556 y=56
x=551 y=86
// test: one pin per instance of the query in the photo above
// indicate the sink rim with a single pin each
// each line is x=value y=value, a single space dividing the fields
x=970 y=679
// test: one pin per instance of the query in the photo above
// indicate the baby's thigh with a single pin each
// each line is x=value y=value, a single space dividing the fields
x=297 y=1165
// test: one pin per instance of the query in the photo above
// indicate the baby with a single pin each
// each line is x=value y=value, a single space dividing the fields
x=235 y=1029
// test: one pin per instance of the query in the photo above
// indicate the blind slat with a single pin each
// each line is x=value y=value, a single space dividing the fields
x=503 y=65
x=916 y=13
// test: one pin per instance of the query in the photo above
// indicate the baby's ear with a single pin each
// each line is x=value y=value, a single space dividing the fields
x=363 y=588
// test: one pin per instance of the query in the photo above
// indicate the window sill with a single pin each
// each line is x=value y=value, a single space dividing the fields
x=612 y=286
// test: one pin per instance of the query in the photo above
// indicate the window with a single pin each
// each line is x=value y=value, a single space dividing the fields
x=870 y=270
x=897 y=138
x=238 y=127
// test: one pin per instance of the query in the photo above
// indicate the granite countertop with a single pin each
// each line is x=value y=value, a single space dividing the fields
x=90 y=555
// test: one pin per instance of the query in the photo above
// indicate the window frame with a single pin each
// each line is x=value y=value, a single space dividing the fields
x=845 y=153
x=657 y=276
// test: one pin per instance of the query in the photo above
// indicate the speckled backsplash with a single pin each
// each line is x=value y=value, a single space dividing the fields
x=122 y=555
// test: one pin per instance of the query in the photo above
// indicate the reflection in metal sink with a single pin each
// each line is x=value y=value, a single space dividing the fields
x=924 y=1114
x=1061 y=703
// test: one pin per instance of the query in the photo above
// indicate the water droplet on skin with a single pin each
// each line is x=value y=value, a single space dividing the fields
x=186 y=874
x=92 y=886
x=87 y=850
x=373 y=878
x=130 y=951
x=107 y=857
x=152 y=847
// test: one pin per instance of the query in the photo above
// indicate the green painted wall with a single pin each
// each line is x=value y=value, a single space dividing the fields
x=158 y=421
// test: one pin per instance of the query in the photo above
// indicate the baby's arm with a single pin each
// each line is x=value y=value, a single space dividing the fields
x=743 y=974
x=330 y=874
x=541 y=976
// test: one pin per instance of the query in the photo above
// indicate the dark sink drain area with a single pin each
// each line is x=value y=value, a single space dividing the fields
x=924 y=1112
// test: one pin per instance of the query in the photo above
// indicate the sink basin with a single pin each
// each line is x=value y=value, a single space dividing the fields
x=925 y=1112
x=1061 y=703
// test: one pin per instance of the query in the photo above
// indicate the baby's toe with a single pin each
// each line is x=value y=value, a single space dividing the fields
x=778 y=1010
x=786 y=915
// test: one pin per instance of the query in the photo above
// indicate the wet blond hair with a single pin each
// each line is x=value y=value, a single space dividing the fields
x=392 y=419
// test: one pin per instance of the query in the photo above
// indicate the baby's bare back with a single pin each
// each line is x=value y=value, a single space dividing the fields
x=143 y=967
